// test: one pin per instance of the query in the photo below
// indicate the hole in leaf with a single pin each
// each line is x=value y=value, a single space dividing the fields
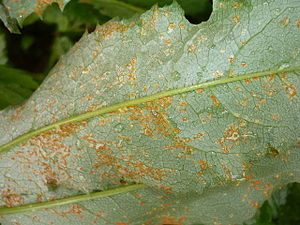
x=197 y=11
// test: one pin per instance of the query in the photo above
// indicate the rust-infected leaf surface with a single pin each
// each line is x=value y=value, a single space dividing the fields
x=209 y=156
x=20 y=9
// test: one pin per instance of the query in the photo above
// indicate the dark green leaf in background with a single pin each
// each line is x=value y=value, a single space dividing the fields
x=3 y=55
x=84 y=13
x=196 y=10
x=282 y=209
x=15 y=86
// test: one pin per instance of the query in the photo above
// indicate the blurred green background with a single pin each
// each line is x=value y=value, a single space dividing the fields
x=26 y=58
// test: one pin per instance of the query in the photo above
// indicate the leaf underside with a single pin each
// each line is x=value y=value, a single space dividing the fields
x=208 y=156
x=14 y=12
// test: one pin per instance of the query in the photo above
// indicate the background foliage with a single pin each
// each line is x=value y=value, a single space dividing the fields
x=26 y=58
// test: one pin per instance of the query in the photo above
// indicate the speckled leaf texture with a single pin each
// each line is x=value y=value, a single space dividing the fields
x=13 y=12
x=207 y=116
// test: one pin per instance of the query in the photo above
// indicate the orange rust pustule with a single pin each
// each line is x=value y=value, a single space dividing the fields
x=134 y=169
x=45 y=148
x=236 y=5
x=10 y=199
x=74 y=209
x=236 y=19
x=109 y=28
x=137 y=170
x=17 y=115
x=291 y=90
x=174 y=220
x=255 y=204
x=103 y=150
x=152 y=117
x=216 y=102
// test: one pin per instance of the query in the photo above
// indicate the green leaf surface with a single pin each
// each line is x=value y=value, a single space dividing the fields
x=206 y=116
x=290 y=211
x=116 y=8
x=18 y=10
x=61 y=45
x=282 y=209
x=84 y=13
x=10 y=23
x=128 y=8
x=53 y=14
x=3 y=56
x=15 y=86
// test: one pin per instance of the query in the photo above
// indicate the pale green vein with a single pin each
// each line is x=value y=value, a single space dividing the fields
x=69 y=200
x=137 y=101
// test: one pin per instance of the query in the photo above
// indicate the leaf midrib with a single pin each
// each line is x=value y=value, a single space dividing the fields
x=69 y=200
x=141 y=100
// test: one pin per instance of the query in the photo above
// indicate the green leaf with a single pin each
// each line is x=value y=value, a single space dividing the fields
x=10 y=23
x=84 y=13
x=289 y=213
x=127 y=8
x=15 y=86
x=53 y=14
x=20 y=9
x=61 y=45
x=116 y=8
x=3 y=56
x=26 y=42
x=281 y=209
x=194 y=9
x=264 y=215
x=200 y=120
